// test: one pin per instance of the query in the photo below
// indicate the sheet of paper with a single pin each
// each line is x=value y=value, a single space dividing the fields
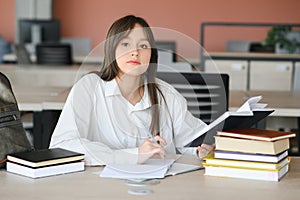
x=152 y=168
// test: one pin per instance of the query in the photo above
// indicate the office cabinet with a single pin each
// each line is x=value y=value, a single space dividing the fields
x=31 y=9
x=236 y=69
x=270 y=75
x=296 y=82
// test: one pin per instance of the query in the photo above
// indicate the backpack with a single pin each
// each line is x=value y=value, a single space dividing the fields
x=13 y=137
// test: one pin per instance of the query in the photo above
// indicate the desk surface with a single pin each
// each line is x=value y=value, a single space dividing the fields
x=57 y=81
x=193 y=185
x=285 y=104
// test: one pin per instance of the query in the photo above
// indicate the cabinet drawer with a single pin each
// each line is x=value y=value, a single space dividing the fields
x=237 y=71
x=271 y=75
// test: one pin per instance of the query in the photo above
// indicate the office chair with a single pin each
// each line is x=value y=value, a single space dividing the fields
x=22 y=54
x=54 y=54
x=207 y=94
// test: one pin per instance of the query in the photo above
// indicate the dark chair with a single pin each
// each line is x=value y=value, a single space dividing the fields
x=22 y=54
x=54 y=54
x=207 y=94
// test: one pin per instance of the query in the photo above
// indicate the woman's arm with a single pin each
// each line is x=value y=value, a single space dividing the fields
x=77 y=128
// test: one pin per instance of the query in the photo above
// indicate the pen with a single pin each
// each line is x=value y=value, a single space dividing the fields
x=151 y=136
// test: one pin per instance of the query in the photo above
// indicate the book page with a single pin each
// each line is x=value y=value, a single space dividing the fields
x=152 y=168
x=234 y=119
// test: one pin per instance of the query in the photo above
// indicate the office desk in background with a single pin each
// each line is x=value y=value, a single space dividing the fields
x=193 y=185
x=43 y=90
x=77 y=59
x=286 y=104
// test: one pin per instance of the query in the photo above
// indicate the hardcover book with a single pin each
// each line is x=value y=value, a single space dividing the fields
x=39 y=172
x=256 y=134
x=233 y=155
x=45 y=157
x=211 y=161
x=251 y=146
x=254 y=174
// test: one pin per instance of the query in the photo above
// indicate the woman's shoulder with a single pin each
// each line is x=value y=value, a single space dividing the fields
x=90 y=78
x=89 y=83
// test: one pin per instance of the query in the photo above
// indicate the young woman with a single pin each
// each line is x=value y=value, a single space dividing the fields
x=123 y=114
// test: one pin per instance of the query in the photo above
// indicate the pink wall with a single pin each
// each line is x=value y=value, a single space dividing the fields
x=7 y=19
x=92 y=18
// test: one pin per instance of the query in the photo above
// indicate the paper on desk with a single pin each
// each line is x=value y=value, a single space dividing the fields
x=152 y=168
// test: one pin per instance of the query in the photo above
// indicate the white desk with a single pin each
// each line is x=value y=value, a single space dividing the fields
x=76 y=58
x=193 y=185
x=286 y=104
x=45 y=88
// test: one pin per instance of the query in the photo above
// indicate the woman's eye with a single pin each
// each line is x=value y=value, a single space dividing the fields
x=125 y=44
x=143 y=46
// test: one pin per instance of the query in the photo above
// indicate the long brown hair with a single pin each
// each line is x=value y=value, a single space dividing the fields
x=110 y=69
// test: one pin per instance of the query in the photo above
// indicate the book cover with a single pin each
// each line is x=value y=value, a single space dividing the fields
x=253 y=174
x=44 y=157
x=212 y=161
x=231 y=155
x=180 y=168
x=251 y=146
x=247 y=115
x=45 y=171
x=256 y=134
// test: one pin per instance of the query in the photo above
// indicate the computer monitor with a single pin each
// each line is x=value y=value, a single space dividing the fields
x=38 y=31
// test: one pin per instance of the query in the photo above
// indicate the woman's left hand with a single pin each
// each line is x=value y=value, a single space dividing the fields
x=204 y=150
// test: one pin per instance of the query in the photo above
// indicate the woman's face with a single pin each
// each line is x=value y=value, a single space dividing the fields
x=133 y=52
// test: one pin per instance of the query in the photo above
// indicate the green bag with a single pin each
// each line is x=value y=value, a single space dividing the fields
x=12 y=133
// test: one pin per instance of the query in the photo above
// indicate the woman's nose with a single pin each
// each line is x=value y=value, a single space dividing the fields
x=135 y=52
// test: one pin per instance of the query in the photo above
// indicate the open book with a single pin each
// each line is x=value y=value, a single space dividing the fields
x=152 y=168
x=247 y=115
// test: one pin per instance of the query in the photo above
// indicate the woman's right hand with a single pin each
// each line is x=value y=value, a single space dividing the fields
x=149 y=149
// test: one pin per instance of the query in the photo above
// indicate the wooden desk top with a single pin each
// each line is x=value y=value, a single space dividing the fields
x=286 y=104
x=48 y=87
x=193 y=185
x=41 y=98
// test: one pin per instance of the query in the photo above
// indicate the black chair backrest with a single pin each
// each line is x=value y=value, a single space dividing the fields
x=206 y=93
x=54 y=54
x=22 y=54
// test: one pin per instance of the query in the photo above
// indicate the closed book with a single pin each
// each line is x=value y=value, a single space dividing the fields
x=40 y=172
x=257 y=134
x=251 y=146
x=250 y=156
x=253 y=174
x=45 y=157
x=245 y=164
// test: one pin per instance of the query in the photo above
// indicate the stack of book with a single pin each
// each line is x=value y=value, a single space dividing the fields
x=250 y=154
x=46 y=162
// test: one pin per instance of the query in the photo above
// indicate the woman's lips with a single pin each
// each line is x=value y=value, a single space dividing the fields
x=135 y=62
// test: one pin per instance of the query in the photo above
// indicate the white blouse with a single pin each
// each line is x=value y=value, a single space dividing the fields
x=99 y=122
